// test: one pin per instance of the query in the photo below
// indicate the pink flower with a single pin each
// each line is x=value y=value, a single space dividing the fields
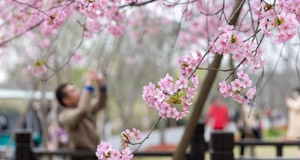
x=114 y=14
x=226 y=28
x=165 y=107
x=159 y=95
x=188 y=63
x=76 y=57
x=45 y=43
x=247 y=82
x=240 y=99
x=127 y=154
x=137 y=134
x=172 y=113
x=37 y=70
x=56 y=19
x=99 y=153
x=130 y=60
x=115 y=154
x=225 y=89
x=191 y=92
x=128 y=134
x=93 y=26
x=223 y=86
x=195 y=80
x=251 y=92
x=228 y=92
x=107 y=146
x=236 y=85
x=182 y=82
x=242 y=75
x=116 y=30
x=181 y=114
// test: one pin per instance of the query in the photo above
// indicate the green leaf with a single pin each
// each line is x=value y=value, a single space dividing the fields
x=233 y=39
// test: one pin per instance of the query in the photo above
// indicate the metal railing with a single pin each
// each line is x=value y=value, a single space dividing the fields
x=220 y=147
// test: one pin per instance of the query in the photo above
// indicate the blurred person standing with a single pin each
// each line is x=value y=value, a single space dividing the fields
x=76 y=117
x=217 y=115
x=249 y=125
x=293 y=104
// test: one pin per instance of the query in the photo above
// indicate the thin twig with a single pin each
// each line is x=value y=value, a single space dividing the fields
x=215 y=69
x=61 y=5
x=178 y=3
x=134 y=4
x=31 y=6
x=273 y=71
x=148 y=135
x=69 y=59
x=179 y=25
x=212 y=14
x=297 y=58
x=20 y=34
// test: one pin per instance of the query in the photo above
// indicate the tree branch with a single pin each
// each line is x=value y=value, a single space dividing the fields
x=134 y=4
x=69 y=59
x=3 y=43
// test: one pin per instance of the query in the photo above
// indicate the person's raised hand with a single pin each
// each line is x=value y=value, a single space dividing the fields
x=100 y=80
x=91 y=77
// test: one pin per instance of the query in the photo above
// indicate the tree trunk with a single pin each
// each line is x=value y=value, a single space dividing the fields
x=204 y=91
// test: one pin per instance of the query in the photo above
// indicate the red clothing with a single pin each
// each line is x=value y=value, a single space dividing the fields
x=218 y=116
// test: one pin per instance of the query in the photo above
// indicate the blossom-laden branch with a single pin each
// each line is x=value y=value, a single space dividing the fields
x=31 y=6
x=127 y=138
x=215 y=69
x=5 y=42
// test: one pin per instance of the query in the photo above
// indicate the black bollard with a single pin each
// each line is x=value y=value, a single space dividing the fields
x=198 y=145
x=221 y=145
x=23 y=146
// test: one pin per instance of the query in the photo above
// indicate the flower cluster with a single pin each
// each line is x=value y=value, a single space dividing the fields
x=229 y=42
x=56 y=19
x=93 y=9
x=92 y=27
x=127 y=136
x=142 y=25
x=281 y=18
x=172 y=97
x=116 y=29
x=290 y=6
x=105 y=151
x=237 y=89
x=188 y=63
x=104 y=9
x=38 y=68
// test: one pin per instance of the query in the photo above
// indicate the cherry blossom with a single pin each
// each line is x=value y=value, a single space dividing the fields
x=38 y=68
x=237 y=89
x=106 y=151
x=116 y=29
x=76 y=57
x=172 y=97
x=56 y=19
x=278 y=20
x=231 y=43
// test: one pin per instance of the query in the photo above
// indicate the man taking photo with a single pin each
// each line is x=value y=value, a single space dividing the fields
x=76 y=117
